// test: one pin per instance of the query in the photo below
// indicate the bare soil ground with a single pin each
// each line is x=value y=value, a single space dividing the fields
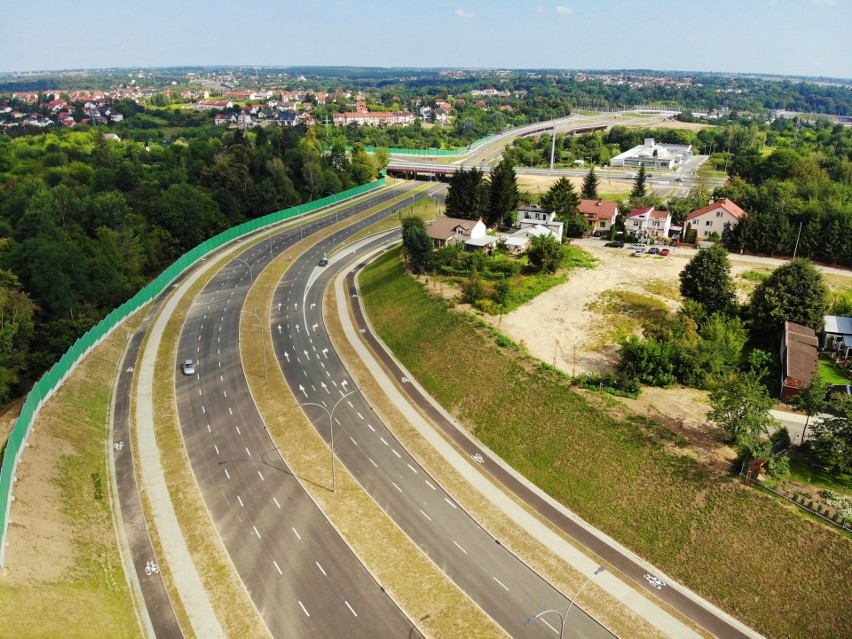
x=540 y=184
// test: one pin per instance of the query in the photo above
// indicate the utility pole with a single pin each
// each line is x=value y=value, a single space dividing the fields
x=553 y=146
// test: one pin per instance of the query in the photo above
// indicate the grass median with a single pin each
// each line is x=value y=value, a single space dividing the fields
x=759 y=560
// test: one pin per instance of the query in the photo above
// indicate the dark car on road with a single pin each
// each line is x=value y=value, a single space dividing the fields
x=323 y=261
x=614 y=245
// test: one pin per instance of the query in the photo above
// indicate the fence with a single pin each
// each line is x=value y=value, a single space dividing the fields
x=426 y=152
x=50 y=381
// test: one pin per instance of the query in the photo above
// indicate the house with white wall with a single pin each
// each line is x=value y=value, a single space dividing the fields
x=714 y=218
x=648 y=222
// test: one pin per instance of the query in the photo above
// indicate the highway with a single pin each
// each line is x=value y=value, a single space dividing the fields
x=301 y=576
x=503 y=586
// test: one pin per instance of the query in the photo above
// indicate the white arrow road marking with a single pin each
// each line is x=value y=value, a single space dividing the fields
x=315 y=327
x=302 y=388
x=287 y=355
x=325 y=352
x=279 y=329
x=313 y=305
x=325 y=388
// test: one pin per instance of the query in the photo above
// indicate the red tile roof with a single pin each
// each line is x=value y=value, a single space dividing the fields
x=598 y=209
x=725 y=204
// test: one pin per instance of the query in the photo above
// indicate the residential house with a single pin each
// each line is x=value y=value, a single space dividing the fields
x=287 y=118
x=244 y=119
x=374 y=118
x=445 y=231
x=518 y=241
x=535 y=215
x=837 y=335
x=715 y=218
x=599 y=213
x=221 y=119
x=799 y=360
x=648 y=223
x=207 y=105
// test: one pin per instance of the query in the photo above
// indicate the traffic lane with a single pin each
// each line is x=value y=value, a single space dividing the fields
x=152 y=587
x=636 y=572
x=236 y=476
x=239 y=528
x=471 y=569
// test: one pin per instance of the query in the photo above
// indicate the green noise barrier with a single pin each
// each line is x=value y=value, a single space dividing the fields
x=52 y=379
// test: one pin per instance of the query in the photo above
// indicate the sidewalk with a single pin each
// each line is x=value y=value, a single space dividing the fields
x=627 y=595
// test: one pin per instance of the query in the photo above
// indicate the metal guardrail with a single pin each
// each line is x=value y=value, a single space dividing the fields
x=53 y=379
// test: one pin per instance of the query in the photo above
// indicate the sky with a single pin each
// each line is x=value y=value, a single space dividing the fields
x=787 y=37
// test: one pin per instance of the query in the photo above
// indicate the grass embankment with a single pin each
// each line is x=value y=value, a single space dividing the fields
x=745 y=551
x=65 y=577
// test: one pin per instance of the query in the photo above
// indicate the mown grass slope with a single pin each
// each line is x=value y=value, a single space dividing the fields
x=778 y=571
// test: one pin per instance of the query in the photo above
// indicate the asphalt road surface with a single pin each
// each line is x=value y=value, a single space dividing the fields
x=506 y=588
x=156 y=599
x=300 y=574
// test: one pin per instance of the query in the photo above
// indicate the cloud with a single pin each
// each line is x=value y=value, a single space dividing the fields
x=563 y=10
x=539 y=9
x=461 y=13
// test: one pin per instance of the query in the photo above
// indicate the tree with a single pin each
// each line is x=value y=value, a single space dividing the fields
x=545 y=253
x=417 y=244
x=831 y=439
x=561 y=199
x=467 y=195
x=706 y=279
x=640 y=189
x=589 y=190
x=794 y=292
x=811 y=400
x=504 y=197
x=740 y=405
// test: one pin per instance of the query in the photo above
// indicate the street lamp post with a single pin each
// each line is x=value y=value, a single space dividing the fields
x=563 y=617
x=330 y=414
x=262 y=339
x=251 y=282
x=269 y=236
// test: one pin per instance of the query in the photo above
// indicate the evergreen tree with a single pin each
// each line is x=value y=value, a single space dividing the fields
x=590 y=186
x=467 y=195
x=562 y=200
x=417 y=245
x=706 y=279
x=504 y=197
x=639 y=187
x=794 y=292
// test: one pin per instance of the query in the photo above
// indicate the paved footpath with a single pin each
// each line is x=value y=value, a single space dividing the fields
x=616 y=587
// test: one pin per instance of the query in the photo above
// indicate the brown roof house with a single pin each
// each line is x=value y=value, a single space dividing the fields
x=715 y=218
x=445 y=231
x=601 y=214
x=798 y=359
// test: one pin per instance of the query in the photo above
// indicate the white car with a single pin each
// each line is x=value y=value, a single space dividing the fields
x=188 y=367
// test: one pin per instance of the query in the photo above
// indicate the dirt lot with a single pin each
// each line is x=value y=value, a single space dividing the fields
x=540 y=184
x=569 y=327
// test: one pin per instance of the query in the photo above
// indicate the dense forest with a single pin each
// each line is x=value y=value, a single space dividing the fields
x=86 y=220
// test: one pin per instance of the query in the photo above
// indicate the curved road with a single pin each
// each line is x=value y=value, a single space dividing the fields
x=302 y=577
x=506 y=588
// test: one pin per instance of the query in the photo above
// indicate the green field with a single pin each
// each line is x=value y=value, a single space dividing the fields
x=759 y=560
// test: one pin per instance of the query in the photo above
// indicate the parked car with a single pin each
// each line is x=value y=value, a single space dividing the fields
x=839 y=390
x=323 y=261
x=653 y=251
x=188 y=367
x=664 y=251
x=614 y=245
x=638 y=253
